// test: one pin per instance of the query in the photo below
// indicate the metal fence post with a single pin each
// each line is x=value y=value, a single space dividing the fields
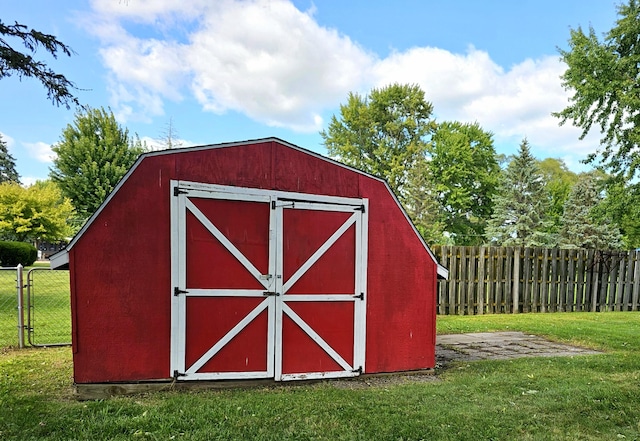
x=20 y=290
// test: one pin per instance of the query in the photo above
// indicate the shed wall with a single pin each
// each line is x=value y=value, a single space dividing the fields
x=121 y=266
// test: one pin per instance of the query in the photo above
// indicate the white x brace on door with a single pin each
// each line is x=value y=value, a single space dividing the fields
x=266 y=284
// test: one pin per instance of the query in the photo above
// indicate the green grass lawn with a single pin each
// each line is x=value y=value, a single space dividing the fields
x=594 y=397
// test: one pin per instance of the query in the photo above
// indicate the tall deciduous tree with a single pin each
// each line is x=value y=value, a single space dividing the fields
x=383 y=133
x=559 y=182
x=520 y=205
x=603 y=78
x=580 y=228
x=14 y=61
x=93 y=154
x=37 y=212
x=465 y=174
x=8 y=171
x=421 y=203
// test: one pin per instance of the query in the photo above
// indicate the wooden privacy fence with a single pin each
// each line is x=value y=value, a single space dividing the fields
x=512 y=279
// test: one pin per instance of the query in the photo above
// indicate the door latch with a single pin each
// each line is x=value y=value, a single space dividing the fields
x=270 y=293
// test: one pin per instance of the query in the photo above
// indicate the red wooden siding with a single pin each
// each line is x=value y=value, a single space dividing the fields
x=402 y=280
x=121 y=264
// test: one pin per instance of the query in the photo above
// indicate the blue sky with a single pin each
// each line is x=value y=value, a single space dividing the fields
x=232 y=70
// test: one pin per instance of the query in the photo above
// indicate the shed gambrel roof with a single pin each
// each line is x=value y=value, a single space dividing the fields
x=60 y=259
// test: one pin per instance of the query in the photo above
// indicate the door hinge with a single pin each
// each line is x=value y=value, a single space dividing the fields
x=178 y=190
x=359 y=296
x=177 y=374
x=270 y=293
x=273 y=205
x=361 y=208
x=177 y=291
x=358 y=371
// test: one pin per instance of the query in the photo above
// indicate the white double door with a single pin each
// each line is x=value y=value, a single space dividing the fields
x=266 y=284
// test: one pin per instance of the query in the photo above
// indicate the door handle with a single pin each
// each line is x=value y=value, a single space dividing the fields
x=270 y=293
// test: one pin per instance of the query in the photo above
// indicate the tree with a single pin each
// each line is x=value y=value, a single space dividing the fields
x=384 y=133
x=621 y=207
x=580 y=228
x=169 y=138
x=520 y=204
x=421 y=203
x=559 y=182
x=93 y=154
x=603 y=77
x=465 y=174
x=8 y=171
x=38 y=212
x=12 y=61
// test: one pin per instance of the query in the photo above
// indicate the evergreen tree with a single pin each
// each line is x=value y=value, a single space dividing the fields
x=580 y=228
x=22 y=64
x=8 y=171
x=92 y=156
x=520 y=205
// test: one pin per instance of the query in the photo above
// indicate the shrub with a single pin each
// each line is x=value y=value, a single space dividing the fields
x=14 y=253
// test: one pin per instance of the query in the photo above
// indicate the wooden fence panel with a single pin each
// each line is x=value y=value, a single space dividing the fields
x=544 y=291
x=626 y=300
x=481 y=279
x=635 y=295
x=510 y=280
x=580 y=280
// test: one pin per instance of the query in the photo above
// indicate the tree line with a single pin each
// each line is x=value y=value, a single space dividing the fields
x=447 y=174
x=459 y=191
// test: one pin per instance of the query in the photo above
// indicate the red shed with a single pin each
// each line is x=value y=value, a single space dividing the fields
x=255 y=259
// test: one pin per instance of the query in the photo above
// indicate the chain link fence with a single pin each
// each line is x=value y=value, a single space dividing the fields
x=8 y=307
x=49 y=306
x=44 y=314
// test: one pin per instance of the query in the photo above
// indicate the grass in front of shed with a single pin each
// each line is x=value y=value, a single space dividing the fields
x=585 y=397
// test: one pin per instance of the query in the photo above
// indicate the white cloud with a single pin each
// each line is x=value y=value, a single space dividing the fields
x=40 y=151
x=276 y=64
x=263 y=58
x=513 y=104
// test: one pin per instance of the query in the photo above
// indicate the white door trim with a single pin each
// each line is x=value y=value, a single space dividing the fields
x=273 y=283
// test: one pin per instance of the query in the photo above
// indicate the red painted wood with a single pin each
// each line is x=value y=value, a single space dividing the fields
x=305 y=231
x=333 y=321
x=120 y=267
x=299 y=172
x=401 y=289
x=209 y=319
x=209 y=263
x=121 y=278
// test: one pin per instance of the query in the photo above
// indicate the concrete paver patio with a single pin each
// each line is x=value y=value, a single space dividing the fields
x=500 y=345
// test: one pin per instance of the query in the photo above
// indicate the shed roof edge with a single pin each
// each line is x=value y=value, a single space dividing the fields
x=63 y=254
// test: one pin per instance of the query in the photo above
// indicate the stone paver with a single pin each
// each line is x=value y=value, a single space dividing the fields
x=500 y=345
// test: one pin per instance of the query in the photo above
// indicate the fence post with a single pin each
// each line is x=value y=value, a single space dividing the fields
x=516 y=280
x=20 y=293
